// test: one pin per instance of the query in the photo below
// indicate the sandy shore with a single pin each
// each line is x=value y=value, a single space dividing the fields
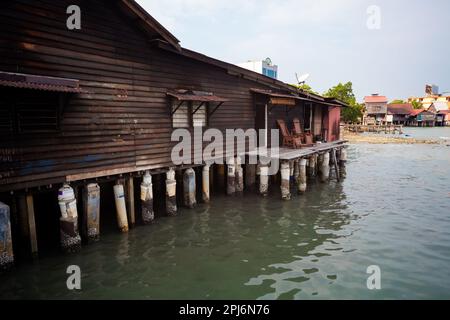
x=383 y=139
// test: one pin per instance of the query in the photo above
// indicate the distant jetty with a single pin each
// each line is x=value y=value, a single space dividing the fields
x=383 y=139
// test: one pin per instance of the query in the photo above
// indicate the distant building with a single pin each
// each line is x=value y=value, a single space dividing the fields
x=264 y=67
x=376 y=110
x=443 y=118
x=432 y=95
x=422 y=118
x=400 y=112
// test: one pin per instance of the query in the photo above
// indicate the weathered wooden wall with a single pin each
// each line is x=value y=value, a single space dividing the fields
x=122 y=121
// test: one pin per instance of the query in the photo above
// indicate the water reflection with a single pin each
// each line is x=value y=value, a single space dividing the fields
x=310 y=229
x=318 y=245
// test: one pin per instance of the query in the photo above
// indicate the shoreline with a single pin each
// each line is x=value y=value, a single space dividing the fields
x=355 y=138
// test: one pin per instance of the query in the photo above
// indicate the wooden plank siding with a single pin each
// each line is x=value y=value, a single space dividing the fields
x=122 y=119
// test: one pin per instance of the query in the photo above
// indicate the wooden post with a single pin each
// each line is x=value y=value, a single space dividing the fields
x=239 y=179
x=325 y=167
x=302 y=176
x=220 y=177
x=231 y=177
x=121 y=209
x=264 y=180
x=296 y=171
x=171 y=193
x=335 y=164
x=6 y=247
x=130 y=202
x=26 y=206
x=291 y=173
x=189 y=188
x=205 y=183
x=285 y=183
x=311 y=168
x=250 y=176
x=91 y=208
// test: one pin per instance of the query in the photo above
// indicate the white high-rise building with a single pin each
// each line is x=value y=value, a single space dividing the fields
x=264 y=67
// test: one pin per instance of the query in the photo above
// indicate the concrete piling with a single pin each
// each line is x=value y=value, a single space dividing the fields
x=325 y=167
x=148 y=215
x=171 y=194
x=263 y=180
x=6 y=247
x=68 y=222
x=285 y=181
x=342 y=162
x=239 y=178
x=231 y=177
x=205 y=183
x=189 y=188
x=302 y=176
x=121 y=208
x=91 y=208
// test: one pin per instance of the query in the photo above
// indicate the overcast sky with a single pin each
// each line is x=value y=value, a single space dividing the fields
x=328 y=39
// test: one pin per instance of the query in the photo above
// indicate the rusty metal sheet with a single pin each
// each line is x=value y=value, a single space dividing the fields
x=28 y=81
x=196 y=97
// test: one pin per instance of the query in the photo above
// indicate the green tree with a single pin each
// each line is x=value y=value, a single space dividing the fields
x=344 y=92
x=417 y=104
x=304 y=87
x=397 y=101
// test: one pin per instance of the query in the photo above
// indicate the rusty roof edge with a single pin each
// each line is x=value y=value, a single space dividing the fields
x=145 y=17
x=246 y=74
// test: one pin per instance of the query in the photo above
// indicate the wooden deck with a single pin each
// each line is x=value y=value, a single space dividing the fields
x=291 y=154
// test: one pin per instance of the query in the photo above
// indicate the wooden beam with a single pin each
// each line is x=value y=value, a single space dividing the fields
x=31 y=224
x=130 y=202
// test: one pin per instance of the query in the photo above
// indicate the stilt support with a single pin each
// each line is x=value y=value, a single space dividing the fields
x=311 y=166
x=171 y=193
x=285 y=181
x=342 y=162
x=250 y=176
x=231 y=177
x=121 y=209
x=68 y=222
x=325 y=167
x=302 y=176
x=239 y=181
x=205 y=183
x=148 y=215
x=263 y=180
x=189 y=188
x=6 y=247
x=130 y=202
x=91 y=207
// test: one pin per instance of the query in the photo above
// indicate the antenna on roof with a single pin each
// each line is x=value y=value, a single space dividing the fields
x=302 y=79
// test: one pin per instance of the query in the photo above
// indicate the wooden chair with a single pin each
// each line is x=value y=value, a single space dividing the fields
x=306 y=138
x=289 y=140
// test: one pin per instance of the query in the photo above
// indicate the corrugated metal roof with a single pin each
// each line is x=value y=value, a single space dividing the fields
x=440 y=105
x=278 y=95
x=196 y=96
x=28 y=81
x=376 y=99
x=415 y=112
x=399 y=108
